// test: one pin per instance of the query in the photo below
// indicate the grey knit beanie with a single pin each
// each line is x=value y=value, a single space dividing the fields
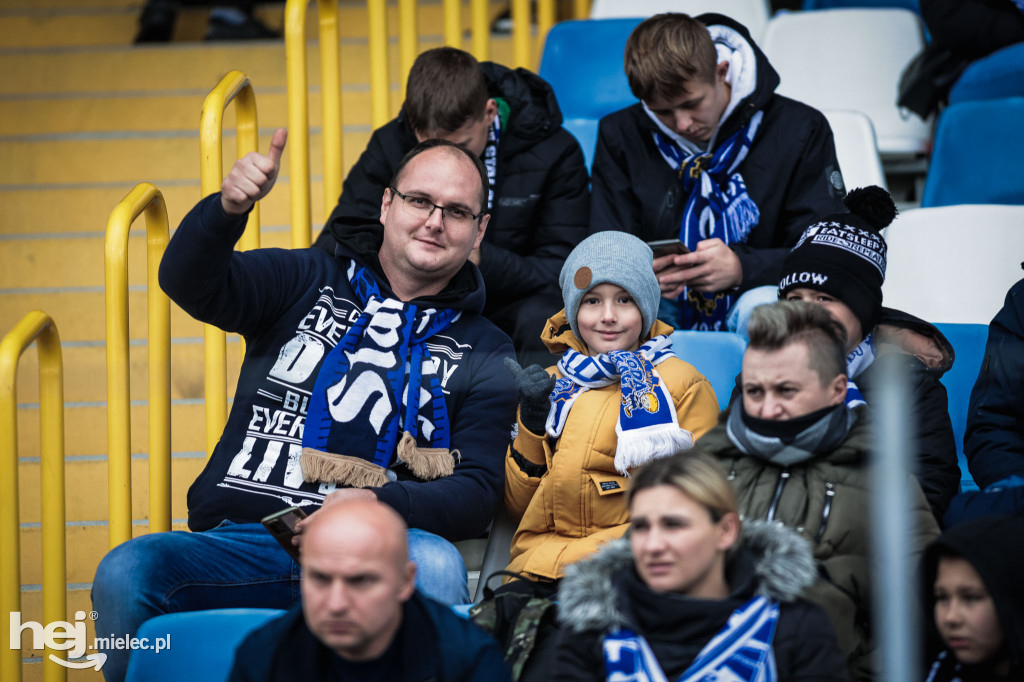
x=614 y=258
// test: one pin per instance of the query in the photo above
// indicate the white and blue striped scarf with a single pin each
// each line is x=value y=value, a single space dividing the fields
x=717 y=206
x=741 y=651
x=648 y=427
x=859 y=359
x=361 y=403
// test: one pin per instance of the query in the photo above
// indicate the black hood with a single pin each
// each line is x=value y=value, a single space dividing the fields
x=533 y=110
x=994 y=546
x=360 y=241
x=898 y=319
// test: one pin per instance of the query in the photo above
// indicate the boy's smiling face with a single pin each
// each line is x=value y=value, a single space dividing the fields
x=609 y=319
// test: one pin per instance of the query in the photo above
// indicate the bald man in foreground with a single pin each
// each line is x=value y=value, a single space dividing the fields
x=361 y=617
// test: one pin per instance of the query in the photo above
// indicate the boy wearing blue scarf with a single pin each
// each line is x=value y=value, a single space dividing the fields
x=711 y=156
x=617 y=398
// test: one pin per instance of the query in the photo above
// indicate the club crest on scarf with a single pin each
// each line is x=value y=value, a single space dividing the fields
x=377 y=383
x=717 y=206
x=647 y=427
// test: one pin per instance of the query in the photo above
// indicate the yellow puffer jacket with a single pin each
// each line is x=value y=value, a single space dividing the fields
x=567 y=493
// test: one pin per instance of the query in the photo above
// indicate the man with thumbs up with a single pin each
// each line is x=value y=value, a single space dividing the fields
x=368 y=373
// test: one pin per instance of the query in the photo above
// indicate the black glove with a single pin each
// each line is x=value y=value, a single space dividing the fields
x=535 y=387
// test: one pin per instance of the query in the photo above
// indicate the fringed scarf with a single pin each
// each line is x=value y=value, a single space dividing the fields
x=859 y=359
x=361 y=398
x=490 y=159
x=648 y=427
x=717 y=206
x=742 y=650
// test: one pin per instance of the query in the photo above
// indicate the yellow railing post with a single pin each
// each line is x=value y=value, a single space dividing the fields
x=452 y=23
x=235 y=87
x=521 y=30
x=581 y=9
x=143 y=198
x=39 y=327
x=480 y=22
x=408 y=38
x=545 y=20
x=380 y=84
x=298 y=111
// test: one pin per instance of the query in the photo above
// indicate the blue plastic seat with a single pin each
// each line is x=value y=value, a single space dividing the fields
x=969 y=347
x=977 y=157
x=912 y=5
x=716 y=355
x=999 y=75
x=582 y=61
x=202 y=644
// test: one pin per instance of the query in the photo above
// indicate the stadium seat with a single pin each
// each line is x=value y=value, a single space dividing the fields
x=977 y=155
x=499 y=546
x=912 y=5
x=999 y=75
x=716 y=355
x=955 y=263
x=969 y=348
x=751 y=13
x=851 y=59
x=582 y=61
x=856 y=149
x=202 y=644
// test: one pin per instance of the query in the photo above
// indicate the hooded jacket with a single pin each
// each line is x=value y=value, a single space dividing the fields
x=568 y=495
x=927 y=355
x=432 y=645
x=604 y=593
x=823 y=496
x=540 y=192
x=993 y=547
x=994 y=442
x=292 y=307
x=791 y=172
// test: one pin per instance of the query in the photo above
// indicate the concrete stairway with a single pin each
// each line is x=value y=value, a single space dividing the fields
x=84 y=117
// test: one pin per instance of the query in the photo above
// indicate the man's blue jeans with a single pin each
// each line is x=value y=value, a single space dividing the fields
x=230 y=566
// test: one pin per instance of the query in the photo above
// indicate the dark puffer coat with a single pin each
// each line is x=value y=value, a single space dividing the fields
x=540 y=194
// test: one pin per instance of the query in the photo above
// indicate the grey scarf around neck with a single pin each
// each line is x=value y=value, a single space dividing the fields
x=820 y=437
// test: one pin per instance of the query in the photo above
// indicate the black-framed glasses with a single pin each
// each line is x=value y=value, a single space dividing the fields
x=451 y=216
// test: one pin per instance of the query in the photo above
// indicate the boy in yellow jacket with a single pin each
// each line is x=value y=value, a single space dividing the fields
x=617 y=398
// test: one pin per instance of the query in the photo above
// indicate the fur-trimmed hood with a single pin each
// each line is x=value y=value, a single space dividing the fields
x=783 y=568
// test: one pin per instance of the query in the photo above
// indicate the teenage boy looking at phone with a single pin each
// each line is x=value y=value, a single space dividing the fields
x=711 y=156
x=320 y=415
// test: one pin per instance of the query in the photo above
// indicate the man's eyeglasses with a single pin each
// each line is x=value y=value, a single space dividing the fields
x=451 y=216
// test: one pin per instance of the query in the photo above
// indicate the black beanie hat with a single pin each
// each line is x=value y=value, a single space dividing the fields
x=843 y=255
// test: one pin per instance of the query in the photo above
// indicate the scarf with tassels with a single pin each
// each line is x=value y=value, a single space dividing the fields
x=377 y=384
x=742 y=650
x=717 y=206
x=859 y=359
x=648 y=427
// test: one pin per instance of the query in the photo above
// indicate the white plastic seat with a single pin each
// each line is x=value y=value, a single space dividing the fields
x=851 y=59
x=751 y=13
x=953 y=263
x=856 y=149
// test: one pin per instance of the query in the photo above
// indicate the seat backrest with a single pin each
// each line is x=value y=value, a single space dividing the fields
x=977 y=158
x=912 y=5
x=716 y=355
x=856 y=148
x=582 y=61
x=969 y=350
x=202 y=644
x=751 y=13
x=955 y=263
x=851 y=59
x=585 y=132
x=999 y=75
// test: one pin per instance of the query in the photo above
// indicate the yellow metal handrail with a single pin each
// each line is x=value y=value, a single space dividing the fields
x=144 y=198
x=39 y=327
x=235 y=86
x=380 y=83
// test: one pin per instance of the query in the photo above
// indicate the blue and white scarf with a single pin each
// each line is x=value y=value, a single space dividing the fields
x=742 y=650
x=361 y=398
x=859 y=359
x=717 y=206
x=490 y=159
x=648 y=427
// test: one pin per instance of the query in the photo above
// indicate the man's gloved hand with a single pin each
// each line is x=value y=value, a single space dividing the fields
x=535 y=387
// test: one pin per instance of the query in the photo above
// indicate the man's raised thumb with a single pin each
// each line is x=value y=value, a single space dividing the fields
x=277 y=145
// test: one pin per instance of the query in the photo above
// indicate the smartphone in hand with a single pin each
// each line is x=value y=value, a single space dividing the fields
x=282 y=526
x=665 y=247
